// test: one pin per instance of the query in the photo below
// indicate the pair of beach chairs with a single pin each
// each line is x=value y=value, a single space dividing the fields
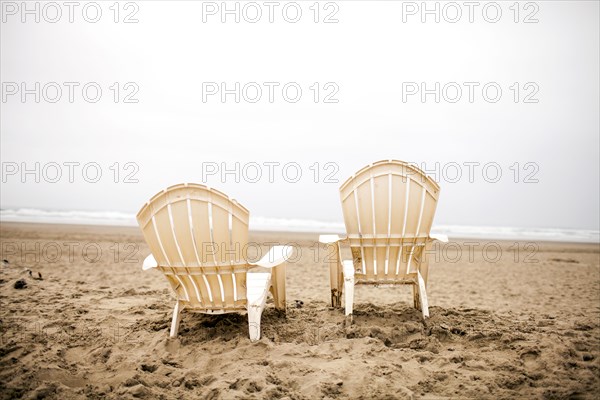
x=198 y=238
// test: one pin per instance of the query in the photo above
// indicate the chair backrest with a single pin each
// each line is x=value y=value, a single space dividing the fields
x=199 y=237
x=388 y=209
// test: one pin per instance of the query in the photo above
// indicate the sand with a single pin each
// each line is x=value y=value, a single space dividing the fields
x=520 y=324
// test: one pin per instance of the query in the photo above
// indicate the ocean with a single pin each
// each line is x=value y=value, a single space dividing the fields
x=259 y=223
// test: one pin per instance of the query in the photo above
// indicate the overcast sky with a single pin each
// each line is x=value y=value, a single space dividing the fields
x=541 y=133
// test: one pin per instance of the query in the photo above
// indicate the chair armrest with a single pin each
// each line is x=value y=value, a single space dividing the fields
x=439 y=237
x=149 y=263
x=330 y=238
x=275 y=256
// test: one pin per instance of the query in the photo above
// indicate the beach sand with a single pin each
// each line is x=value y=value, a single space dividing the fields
x=520 y=323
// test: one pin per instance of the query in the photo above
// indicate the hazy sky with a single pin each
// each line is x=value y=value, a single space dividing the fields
x=372 y=61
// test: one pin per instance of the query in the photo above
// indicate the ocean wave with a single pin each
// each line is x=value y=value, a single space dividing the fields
x=68 y=217
x=259 y=223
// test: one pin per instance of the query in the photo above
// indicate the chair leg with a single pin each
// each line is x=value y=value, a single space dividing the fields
x=348 y=289
x=423 y=296
x=335 y=277
x=416 y=298
x=176 y=320
x=278 y=287
x=254 y=314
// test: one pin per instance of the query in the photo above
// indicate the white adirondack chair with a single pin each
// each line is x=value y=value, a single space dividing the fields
x=388 y=209
x=199 y=239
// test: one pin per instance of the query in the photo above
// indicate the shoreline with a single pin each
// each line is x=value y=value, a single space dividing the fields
x=135 y=229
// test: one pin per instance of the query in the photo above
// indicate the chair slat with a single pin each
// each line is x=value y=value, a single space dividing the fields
x=194 y=296
x=351 y=219
x=428 y=214
x=215 y=284
x=166 y=236
x=239 y=239
x=206 y=291
x=152 y=239
x=179 y=292
x=400 y=187
x=201 y=231
x=181 y=289
x=221 y=211
x=381 y=211
x=221 y=234
x=183 y=232
x=201 y=287
x=365 y=205
x=350 y=213
x=240 y=282
x=415 y=205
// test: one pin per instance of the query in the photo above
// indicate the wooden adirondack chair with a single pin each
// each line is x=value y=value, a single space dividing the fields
x=388 y=209
x=199 y=239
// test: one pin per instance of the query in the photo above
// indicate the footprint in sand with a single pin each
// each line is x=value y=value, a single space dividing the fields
x=530 y=359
